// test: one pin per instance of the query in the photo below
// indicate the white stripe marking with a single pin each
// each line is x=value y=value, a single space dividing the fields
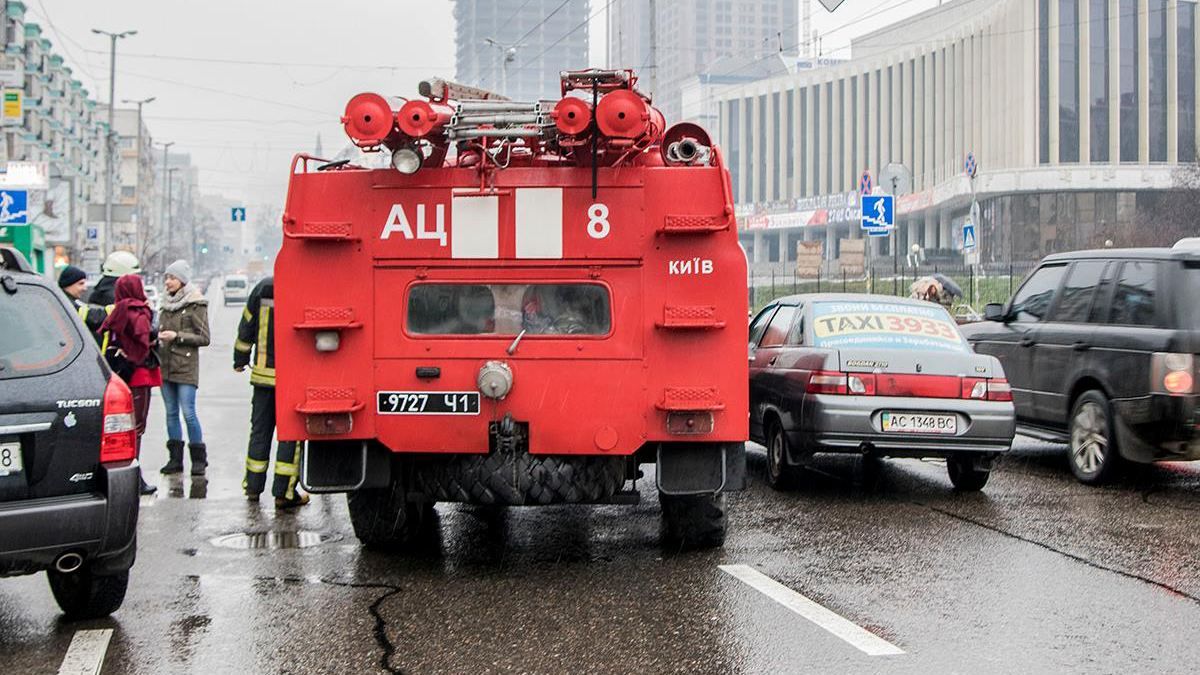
x=539 y=215
x=858 y=637
x=85 y=656
x=475 y=228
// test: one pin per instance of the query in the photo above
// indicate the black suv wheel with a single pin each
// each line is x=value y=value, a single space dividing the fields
x=1093 y=454
x=84 y=595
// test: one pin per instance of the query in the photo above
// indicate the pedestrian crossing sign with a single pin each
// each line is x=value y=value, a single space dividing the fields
x=969 y=240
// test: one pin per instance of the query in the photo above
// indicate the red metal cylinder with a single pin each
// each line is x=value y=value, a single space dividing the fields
x=369 y=120
x=572 y=116
x=624 y=114
x=419 y=119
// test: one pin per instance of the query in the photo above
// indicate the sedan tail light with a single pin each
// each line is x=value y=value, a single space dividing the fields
x=118 y=439
x=913 y=386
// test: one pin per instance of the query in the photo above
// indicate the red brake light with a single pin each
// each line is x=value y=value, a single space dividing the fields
x=118 y=440
x=999 y=390
x=824 y=382
x=1173 y=374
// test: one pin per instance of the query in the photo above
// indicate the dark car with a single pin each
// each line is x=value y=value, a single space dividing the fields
x=874 y=375
x=1100 y=348
x=68 y=473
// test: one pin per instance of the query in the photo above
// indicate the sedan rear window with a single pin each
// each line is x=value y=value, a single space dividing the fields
x=508 y=309
x=885 y=326
x=37 y=336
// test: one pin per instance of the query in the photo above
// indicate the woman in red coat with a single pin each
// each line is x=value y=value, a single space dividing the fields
x=130 y=326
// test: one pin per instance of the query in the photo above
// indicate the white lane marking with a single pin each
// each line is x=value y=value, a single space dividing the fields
x=475 y=230
x=85 y=656
x=858 y=637
x=539 y=216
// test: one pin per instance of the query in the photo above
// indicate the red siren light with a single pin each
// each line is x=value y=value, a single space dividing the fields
x=572 y=116
x=369 y=120
x=625 y=114
x=419 y=119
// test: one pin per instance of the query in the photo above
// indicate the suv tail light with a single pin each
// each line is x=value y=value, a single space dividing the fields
x=1173 y=374
x=118 y=440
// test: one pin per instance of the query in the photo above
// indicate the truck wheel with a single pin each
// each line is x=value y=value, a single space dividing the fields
x=780 y=474
x=84 y=595
x=384 y=519
x=1093 y=454
x=963 y=474
x=693 y=521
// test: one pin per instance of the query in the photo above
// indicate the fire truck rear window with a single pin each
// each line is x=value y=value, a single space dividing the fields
x=508 y=309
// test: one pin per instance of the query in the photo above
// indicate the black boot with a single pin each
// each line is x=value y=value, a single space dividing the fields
x=174 y=458
x=199 y=458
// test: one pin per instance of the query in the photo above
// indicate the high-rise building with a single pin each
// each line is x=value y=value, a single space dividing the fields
x=519 y=47
x=693 y=36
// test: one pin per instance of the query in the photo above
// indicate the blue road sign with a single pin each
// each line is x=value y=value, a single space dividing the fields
x=969 y=240
x=878 y=212
x=14 y=206
x=971 y=166
x=865 y=184
x=238 y=214
x=93 y=233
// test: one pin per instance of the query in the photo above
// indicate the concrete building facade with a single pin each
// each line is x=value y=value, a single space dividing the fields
x=1080 y=115
x=545 y=36
x=696 y=37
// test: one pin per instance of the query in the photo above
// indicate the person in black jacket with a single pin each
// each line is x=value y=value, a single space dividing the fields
x=256 y=342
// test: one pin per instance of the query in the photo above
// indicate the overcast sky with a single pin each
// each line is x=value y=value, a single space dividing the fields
x=242 y=86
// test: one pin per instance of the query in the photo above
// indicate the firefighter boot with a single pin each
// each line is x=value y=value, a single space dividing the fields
x=199 y=458
x=174 y=463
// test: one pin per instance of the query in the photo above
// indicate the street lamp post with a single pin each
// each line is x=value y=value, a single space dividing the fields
x=170 y=227
x=509 y=53
x=108 y=144
x=140 y=239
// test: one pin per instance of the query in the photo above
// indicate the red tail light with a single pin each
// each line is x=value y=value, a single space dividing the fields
x=1173 y=374
x=914 y=386
x=118 y=440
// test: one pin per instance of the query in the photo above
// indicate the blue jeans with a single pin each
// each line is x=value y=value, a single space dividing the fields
x=176 y=396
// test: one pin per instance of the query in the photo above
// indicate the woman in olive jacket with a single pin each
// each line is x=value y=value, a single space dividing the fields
x=182 y=331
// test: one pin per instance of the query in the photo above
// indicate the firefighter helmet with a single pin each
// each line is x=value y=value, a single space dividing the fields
x=120 y=263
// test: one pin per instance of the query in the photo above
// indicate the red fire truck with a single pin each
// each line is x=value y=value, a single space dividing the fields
x=533 y=301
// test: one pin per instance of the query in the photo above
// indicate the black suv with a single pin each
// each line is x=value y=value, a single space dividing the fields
x=1100 y=349
x=68 y=473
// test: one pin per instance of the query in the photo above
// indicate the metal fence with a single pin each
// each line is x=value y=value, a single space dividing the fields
x=981 y=284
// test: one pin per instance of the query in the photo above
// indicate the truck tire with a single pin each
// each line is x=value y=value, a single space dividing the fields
x=385 y=520
x=84 y=595
x=693 y=521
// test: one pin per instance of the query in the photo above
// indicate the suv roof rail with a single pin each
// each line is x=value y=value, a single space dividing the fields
x=12 y=259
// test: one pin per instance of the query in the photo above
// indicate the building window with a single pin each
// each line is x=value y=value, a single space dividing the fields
x=815 y=151
x=829 y=134
x=761 y=149
x=804 y=163
x=731 y=114
x=748 y=144
x=853 y=169
x=1068 y=81
x=1187 y=82
x=1098 y=76
x=790 y=149
x=879 y=158
x=1157 y=19
x=1043 y=81
x=835 y=185
x=1129 y=80
x=776 y=170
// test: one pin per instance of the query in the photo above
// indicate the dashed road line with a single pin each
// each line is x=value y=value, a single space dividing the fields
x=85 y=656
x=840 y=627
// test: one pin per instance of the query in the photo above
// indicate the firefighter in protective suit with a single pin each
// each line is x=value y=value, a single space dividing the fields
x=256 y=343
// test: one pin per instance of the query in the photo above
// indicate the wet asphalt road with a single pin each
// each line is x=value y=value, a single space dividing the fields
x=1036 y=574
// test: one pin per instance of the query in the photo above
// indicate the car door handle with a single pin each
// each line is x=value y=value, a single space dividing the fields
x=772 y=361
x=1080 y=346
x=1027 y=343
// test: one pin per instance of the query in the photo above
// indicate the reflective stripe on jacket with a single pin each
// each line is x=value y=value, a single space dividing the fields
x=256 y=335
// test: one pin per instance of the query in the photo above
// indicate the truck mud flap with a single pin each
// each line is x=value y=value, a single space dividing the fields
x=344 y=466
x=709 y=468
